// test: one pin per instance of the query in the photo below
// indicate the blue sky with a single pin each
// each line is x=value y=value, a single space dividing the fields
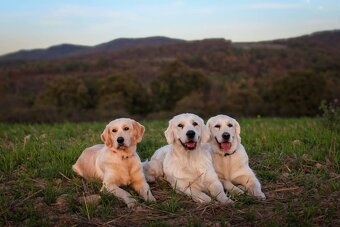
x=27 y=24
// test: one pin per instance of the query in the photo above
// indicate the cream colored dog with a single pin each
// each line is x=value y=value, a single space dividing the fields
x=185 y=164
x=230 y=158
x=116 y=162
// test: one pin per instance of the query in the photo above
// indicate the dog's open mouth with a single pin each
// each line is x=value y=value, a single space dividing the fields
x=121 y=147
x=225 y=146
x=190 y=145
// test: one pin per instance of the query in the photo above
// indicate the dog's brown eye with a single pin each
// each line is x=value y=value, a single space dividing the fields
x=194 y=124
x=126 y=128
x=217 y=126
x=114 y=130
x=230 y=125
x=180 y=125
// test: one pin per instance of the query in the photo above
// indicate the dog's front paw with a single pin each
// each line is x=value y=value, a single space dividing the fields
x=131 y=203
x=227 y=201
x=260 y=195
x=151 y=198
x=203 y=199
x=150 y=178
x=236 y=191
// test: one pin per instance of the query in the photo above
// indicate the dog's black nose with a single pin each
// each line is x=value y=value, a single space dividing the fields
x=190 y=134
x=226 y=136
x=120 y=140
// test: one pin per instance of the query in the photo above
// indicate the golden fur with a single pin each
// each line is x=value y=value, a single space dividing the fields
x=185 y=164
x=114 y=163
x=230 y=158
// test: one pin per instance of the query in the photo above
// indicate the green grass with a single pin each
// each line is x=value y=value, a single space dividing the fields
x=297 y=161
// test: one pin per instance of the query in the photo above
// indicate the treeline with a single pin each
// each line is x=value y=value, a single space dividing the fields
x=178 y=88
x=288 y=77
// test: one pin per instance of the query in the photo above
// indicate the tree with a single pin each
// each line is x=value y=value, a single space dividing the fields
x=297 y=94
x=123 y=94
x=65 y=92
x=174 y=83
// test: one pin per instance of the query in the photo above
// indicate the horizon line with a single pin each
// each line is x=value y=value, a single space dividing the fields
x=160 y=36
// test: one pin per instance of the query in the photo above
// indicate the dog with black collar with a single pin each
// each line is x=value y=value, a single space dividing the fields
x=229 y=157
x=184 y=163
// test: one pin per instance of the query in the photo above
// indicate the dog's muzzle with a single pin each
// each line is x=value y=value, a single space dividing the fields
x=226 y=136
x=224 y=145
x=190 y=134
x=189 y=145
x=120 y=141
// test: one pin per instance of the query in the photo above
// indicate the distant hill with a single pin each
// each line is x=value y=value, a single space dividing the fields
x=67 y=50
x=127 y=43
x=164 y=48
x=326 y=39
x=57 y=51
x=157 y=77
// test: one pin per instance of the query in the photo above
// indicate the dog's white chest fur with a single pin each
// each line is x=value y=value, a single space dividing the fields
x=186 y=166
x=229 y=167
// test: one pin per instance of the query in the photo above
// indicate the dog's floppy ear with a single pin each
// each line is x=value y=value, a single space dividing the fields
x=205 y=135
x=205 y=132
x=238 y=131
x=169 y=133
x=106 y=137
x=138 y=131
x=208 y=125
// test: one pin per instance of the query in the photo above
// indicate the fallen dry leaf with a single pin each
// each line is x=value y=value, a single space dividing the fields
x=296 y=142
x=94 y=199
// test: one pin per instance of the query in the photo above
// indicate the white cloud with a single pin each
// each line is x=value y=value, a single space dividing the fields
x=273 y=5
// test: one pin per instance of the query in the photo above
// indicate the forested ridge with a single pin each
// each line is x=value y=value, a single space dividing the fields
x=287 y=77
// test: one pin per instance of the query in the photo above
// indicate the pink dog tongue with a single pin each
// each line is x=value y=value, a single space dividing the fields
x=226 y=146
x=191 y=144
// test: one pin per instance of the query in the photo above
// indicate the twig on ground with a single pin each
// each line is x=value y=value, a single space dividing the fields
x=87 y=209
x=163 y=211
x=286 y=189
x=64 y=176
x=114 y=220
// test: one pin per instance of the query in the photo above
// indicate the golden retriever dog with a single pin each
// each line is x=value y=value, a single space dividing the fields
x=116 y=162
x=184 y=163
x=230 y=158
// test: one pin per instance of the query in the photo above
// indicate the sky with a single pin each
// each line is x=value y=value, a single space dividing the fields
x=28 y=24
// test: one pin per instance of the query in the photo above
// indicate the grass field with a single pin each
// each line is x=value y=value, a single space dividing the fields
x=296 y=160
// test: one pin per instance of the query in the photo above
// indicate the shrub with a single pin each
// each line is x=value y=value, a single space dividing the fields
x=297 y=94
x=65 y=92
x=174 y=83
x=122 y=95
x=330 y=113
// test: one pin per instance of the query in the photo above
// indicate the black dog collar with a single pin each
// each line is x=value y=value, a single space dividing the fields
x=227 y=154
